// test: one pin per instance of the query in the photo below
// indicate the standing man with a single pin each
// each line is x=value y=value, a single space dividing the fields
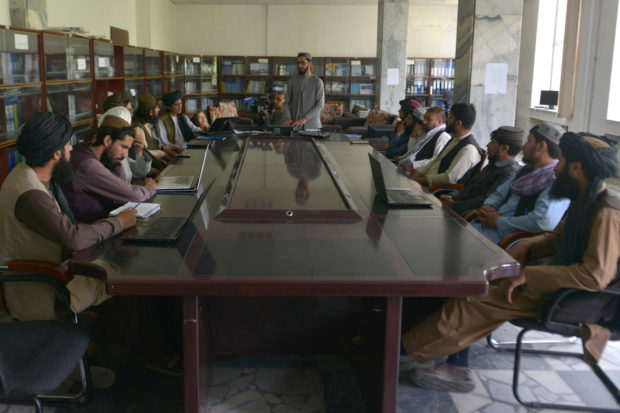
x=305 y=96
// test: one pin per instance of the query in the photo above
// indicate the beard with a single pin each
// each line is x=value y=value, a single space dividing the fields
x=492 y=159
x=108 y=162
x=565 y=186
x=62 y=171
x=303 y=71
x=450 y=128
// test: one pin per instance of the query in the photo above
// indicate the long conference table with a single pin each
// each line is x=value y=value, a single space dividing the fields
x=297 y=217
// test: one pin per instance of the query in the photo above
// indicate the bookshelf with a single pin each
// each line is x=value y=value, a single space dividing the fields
x=427 y=79
x=21 y=89
x=153 y=64
x=200 y=83
x=173 y=72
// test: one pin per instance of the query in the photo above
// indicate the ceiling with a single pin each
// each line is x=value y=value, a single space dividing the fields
x=308 y=2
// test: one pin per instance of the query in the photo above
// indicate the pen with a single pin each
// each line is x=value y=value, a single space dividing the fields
x=398 y=189
x=135 y=206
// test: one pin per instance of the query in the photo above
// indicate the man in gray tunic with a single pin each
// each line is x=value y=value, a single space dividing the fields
x=305 y=96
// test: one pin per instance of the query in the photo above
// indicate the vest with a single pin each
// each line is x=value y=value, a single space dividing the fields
x=25 y=301
x=428 y=149
x=151 y=144
x=170 y=129
x=447 y=160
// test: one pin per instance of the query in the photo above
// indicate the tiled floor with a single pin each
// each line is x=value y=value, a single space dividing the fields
x=327 y=384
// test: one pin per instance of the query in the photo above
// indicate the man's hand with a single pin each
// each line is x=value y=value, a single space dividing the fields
x=287 y=122
x=150 y=183
x=519 y=251
x=507 y=286
x=422 y=180
x=487 y=215
x=300 y=122
x=127 y=218
x=407 y=167
x=169 y=152
x=447 y=200
x=138 y=144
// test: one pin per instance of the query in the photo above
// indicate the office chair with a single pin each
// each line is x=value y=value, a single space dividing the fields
x=449 y=189
x=556 y=317
x=36 y=357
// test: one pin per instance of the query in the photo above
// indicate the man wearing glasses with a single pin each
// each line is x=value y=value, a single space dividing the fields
x=305 y=96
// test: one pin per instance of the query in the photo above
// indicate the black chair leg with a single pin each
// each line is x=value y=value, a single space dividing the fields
x=540 y=405
x=37 y=405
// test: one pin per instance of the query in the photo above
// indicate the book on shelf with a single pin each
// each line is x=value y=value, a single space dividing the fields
x=12 y=115
x=143 y=209
x=71 y=106
x=255 y=86
x=15 y=158
x=191 y=105
x=279 y=86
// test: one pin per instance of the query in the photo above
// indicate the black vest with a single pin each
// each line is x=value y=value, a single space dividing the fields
x=447 y=160
x=428 y=149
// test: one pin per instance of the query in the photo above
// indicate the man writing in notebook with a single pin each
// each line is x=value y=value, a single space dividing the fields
x=98 y=184
x=305 y=96
x=36 y=222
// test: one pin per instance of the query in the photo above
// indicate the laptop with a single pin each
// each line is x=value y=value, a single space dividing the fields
x=395 y=197
x=161 y=230
x=221 y=126
x=181 y=184
x=281 y=130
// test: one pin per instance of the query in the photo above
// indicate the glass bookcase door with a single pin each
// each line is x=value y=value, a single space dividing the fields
x=153 y=63
x=173 y=64
x=136 y=88
x=284 y=66
x=279 y=86
x=258 y=66
x=173 y=83
x=192 y=104
x=192 y=85
x=337 y=67
x=233 y=66
x=208 y=66
x=318 y=67
x=81 y=133
x=337 y=87
x=362 y=68
x=78 y=58
x=192 y=65
x=104 y=59
x=417 y=86
x=208 y=84
x=55 y=57
x=17 y=106
x=73 y=100
x=20 y=57
x=153 y=86
x=134 y=61
x=417 y=67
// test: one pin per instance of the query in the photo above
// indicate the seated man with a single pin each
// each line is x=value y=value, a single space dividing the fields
x=404 y=128
x=459 y=156
x=98 y=184
x=278 y=115
x=505 y=143
x=36 y=222
x=586 y=249
x=173 y=127
x=144 y=124
x=122 y=98
x=523 y=202
x=426 y=148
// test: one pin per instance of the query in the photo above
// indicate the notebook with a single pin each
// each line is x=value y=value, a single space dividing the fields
x=143 y=209
x=183 y=184
x=395 y=197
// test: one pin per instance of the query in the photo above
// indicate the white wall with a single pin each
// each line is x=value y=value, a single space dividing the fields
x=95 y=16
x=162 y=25
x=5 y=16
x=432 y=30
x=283 y=30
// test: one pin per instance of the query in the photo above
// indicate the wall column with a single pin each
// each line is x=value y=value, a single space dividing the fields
x=391 y=52
x=488 y=31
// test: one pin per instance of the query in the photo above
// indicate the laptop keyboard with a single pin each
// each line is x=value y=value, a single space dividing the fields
x=163 y=227
x=401 y=197
x=176 y=182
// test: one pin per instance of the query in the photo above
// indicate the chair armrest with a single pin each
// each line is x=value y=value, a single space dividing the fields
x=514 y=237
x=34 y=276
x=45 y=267
x=449 y=187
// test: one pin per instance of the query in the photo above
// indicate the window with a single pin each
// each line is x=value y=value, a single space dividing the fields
x=549 y=47
x=613 y=106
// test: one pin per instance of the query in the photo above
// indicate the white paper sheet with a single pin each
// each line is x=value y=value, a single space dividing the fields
x=392 y=76
x=21 y=41
x=495 y=78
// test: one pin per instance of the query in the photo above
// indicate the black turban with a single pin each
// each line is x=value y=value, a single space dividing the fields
x=598 y=162
x=170 y=98
x=43 y=135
